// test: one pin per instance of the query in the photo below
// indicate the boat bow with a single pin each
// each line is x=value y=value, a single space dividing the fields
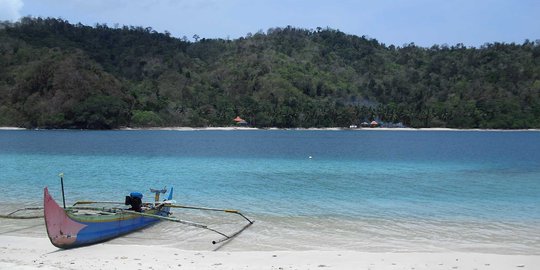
x=61 y=229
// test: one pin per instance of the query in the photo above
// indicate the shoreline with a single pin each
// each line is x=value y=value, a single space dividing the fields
x=289 y=129
x=327 y=129
x=18 y=252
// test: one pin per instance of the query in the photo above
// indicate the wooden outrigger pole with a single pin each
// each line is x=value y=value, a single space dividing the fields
x=225 y=237
x=198 y=225
x=211 y=209
x=11 y=216
x=97 y=202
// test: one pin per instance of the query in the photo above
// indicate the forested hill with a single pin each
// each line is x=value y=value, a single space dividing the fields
x=54 y=74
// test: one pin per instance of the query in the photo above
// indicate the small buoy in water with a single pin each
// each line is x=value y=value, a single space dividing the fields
x=310 y=157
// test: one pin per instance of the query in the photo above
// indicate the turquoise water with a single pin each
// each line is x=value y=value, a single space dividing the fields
x=361 y=190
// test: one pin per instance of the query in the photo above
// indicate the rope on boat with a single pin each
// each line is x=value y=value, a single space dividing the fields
x=11 y=216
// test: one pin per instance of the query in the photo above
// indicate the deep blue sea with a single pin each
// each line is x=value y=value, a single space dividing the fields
x=359 y=190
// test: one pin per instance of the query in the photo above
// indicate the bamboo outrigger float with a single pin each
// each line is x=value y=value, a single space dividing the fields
x=75 y=226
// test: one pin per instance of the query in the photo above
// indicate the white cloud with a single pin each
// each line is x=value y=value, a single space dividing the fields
x=10 y=10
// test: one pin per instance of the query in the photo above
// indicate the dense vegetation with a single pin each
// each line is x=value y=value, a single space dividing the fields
x=54 y=74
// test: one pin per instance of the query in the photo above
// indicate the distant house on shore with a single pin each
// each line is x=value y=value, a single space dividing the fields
x=364 y=124
x=374 y=124
x=240 y=122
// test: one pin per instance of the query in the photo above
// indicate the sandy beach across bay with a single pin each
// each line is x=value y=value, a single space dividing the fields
x=11 y=128
x=17 y=252
x=324 y=129
x=240 y=128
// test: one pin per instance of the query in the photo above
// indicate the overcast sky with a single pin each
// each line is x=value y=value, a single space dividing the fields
x=398 y=22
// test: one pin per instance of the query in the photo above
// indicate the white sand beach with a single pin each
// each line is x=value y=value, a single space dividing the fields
x=17 y=252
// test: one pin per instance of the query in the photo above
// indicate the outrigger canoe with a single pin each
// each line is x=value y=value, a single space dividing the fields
x=76 y=226
x=80 y=226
